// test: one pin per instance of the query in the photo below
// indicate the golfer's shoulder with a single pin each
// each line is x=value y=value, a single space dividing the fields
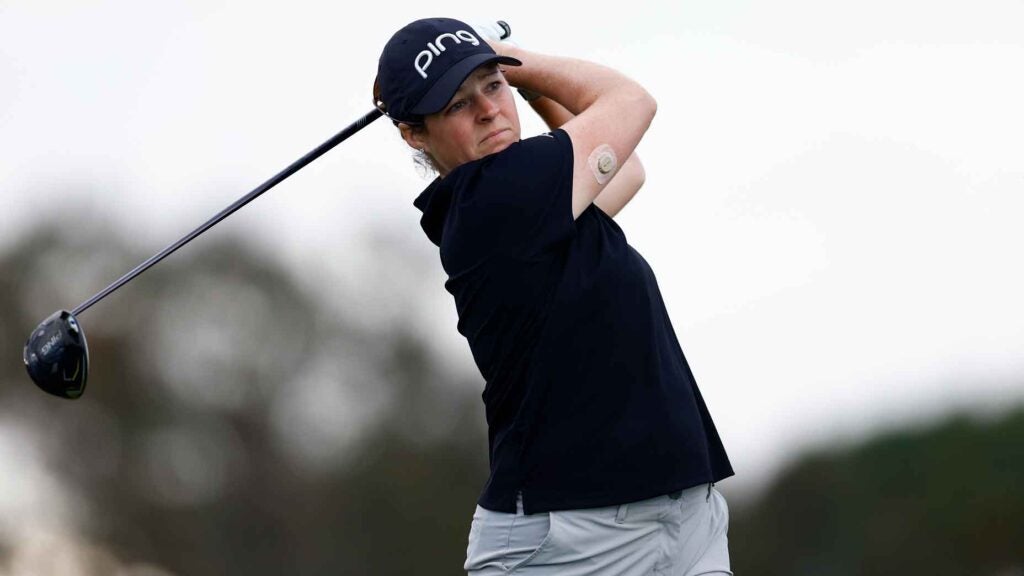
x=549 y=146
x=520 y=179
x=536 y=159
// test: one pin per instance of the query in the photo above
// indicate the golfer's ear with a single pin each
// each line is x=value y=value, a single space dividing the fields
x=413 y=137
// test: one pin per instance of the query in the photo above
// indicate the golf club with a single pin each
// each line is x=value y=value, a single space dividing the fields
x=56 y=354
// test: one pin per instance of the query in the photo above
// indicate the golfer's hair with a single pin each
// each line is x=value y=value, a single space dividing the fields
x=425 y=163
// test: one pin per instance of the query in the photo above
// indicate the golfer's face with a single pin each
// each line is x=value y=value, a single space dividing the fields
x=480 y=119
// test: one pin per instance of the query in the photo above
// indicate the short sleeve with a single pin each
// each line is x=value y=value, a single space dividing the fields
x=518 y=202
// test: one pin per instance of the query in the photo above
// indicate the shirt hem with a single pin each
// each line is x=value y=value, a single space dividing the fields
x=535 y=502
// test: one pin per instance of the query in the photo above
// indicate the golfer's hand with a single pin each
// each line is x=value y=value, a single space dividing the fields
x=497 y=33
x=492 y=31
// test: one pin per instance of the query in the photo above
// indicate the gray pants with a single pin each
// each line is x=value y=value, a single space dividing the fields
x=684 y=535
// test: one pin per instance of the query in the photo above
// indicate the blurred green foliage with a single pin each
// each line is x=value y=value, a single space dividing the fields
x=943 y=500
x=232 y=425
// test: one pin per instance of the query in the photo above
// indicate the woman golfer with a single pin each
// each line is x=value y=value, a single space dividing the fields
x=602 y=452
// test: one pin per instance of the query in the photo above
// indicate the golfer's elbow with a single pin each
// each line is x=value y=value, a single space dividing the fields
x=632 y=174
x=635 y=174
x=646 y=104
x=632 y=97
x=652 y=104
x=640 y=175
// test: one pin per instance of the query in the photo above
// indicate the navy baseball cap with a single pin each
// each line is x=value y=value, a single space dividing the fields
x=423 y=65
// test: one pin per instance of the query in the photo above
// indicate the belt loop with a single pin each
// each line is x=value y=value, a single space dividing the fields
x=710 y=484
x=620 y=514
x=519 y=504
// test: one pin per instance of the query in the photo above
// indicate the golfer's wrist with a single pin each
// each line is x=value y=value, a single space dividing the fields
x=511 y=49
x=505 y=48
x=529 y=95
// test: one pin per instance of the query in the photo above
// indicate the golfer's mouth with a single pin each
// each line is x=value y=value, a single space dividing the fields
x=493 y=134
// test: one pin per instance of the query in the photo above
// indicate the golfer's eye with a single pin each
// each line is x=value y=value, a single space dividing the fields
x=494 y=85
x=457 y=106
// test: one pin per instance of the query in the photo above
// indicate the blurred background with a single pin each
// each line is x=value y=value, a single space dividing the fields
x=831 y=208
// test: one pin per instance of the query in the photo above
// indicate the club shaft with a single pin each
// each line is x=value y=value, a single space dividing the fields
x=275 y=180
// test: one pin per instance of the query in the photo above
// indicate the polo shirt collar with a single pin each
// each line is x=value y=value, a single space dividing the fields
x=434 y=202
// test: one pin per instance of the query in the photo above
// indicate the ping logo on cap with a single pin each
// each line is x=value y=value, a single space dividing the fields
x=436 y=48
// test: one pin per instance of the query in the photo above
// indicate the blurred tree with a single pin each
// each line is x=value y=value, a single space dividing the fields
x=231 y=426
x=945 y=500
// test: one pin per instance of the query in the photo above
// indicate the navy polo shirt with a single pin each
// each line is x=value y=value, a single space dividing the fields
x=589 y=399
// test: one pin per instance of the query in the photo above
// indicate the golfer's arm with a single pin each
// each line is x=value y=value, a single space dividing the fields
x=626 y=182
x=611 y=115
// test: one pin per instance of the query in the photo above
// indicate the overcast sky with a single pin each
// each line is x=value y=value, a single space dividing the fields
x=832 y=207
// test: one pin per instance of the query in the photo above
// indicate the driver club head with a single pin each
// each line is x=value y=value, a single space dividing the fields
x=57 y=357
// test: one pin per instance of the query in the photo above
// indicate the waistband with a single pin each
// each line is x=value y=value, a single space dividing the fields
x=679 y=493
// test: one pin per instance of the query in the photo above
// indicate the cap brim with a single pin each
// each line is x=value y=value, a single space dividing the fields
x=442 y=91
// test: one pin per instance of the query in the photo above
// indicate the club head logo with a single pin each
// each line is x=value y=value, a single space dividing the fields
x=49 y=344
